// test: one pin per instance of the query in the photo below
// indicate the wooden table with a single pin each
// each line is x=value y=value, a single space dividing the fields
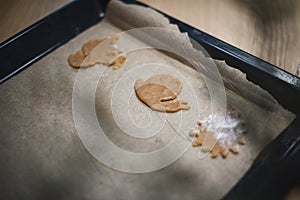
x=269 y=29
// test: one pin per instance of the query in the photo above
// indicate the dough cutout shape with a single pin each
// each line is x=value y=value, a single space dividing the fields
x=160 y=92
x=220 y=138
x=92 y=53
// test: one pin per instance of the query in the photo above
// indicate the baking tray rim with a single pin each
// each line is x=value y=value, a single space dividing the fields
x=287 y=153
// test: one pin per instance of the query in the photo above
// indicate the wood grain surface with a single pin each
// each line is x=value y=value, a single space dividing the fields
x=16 y=15
x=268 y=29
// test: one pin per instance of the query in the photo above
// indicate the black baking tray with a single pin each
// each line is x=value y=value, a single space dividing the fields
x=274 y=171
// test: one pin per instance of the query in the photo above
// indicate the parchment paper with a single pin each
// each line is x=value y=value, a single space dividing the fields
x=42 y=156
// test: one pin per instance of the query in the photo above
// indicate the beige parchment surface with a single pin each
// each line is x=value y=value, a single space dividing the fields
x=42 y=154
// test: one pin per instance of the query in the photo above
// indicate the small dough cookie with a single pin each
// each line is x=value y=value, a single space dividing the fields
x=229 y=134
x=159 y=93
x=212 y=145
x=103 y=51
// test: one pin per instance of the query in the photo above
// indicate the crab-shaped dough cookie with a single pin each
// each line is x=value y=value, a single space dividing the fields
x=160 y=92
x=229 y=133
x=210 y=144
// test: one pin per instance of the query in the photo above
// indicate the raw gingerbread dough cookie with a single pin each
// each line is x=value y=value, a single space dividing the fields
x=92 y=53
x=213 y=146
x=218 y=137
x=159 y=93
x=106 y=53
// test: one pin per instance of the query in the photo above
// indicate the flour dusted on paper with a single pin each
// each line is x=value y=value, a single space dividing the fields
x=219 y=133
